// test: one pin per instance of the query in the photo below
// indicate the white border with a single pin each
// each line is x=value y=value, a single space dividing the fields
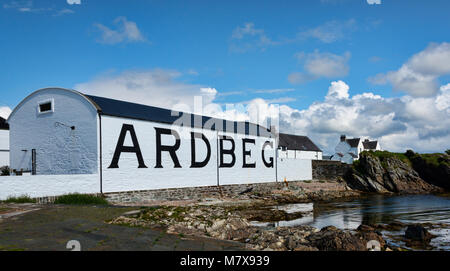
x=52 y=102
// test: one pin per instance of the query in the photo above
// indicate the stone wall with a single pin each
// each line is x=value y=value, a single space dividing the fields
x=328 y=170
x=192 y=193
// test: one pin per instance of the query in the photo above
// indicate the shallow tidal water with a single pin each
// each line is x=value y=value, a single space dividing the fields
x=379 y=209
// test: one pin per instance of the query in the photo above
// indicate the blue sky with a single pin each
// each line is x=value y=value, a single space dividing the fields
x=275 y=52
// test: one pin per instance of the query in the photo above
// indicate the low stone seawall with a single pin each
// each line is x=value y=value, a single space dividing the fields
x=312 y=190
x=192 y=193
x=328 y=170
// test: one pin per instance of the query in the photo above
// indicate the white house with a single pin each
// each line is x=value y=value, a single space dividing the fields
x=297 y=147
x=4 y=143
x=114 y=146
x=348 y=150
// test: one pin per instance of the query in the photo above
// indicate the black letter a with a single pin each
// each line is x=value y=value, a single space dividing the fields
x=121 y=148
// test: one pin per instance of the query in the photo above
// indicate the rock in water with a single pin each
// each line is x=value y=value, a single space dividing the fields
x=417 y=232
x=332 y=239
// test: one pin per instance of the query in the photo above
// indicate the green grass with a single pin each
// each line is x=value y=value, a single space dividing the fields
x=434 y=159
x=382 y=155
x=21 y=199
x=81 y=199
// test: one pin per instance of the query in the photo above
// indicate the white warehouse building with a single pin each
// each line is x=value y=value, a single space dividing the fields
x=4 y=143
x=111 y=146
x=297 y=147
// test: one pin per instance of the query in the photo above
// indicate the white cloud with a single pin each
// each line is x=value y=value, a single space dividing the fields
x=74 y=2
x=5 y=111
x=422 y=124
x=25 y=6
x=443 y=99
x=299 y=78
x=153 y=87
x=434 y=60
x=64 y=11
x=320 y=65
x=272 y=91
x=247 y=30
x=374 y=2
x=126 y=31
x=329 y=31
x=247 y=37
x=338 y=90
x=208 y=91
x=327 y=64
x=28 y=6
x=401 y=123
x=419 y=75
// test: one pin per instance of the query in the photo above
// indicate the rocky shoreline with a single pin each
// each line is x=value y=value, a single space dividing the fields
x=239 y=218
x=409 y=173
x=234 y=220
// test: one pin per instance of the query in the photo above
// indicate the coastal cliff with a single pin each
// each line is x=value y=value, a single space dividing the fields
x=433 y=168
x=409 y=173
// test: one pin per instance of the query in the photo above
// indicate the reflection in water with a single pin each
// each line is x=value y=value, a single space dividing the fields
x=381 y=209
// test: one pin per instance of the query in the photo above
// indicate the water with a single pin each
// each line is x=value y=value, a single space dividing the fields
x=381 y=209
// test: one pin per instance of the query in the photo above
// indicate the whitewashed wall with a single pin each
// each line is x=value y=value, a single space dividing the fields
x=48 y=185
x=68 y=160
x=293 y=154
x=344 y=148
x=59 y=150
x=294 y=169
x=4 y=158
x=129 y=177
x=4 y=148
x=4 y=140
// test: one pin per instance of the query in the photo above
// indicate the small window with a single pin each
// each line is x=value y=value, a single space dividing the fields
x=45 y=107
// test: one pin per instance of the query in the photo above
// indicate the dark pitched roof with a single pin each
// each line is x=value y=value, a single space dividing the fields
x=3 y=124
x=129 y=110
x=353 y=142
x=370 y=145
x=295 y=142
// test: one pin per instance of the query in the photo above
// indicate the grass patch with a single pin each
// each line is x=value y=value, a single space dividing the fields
x=157 y=214
x=21 y=199
x=434 y=159
x=412 y=159
x=11 y=248
x=382 y=155
x=81 y=199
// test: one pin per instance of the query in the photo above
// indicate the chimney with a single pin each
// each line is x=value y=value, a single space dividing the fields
x=367 y=140
x=342 y=138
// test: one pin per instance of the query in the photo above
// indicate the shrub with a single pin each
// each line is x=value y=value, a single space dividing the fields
x=410 y=153
x=21 y=199
x=4 y=171
x=81 y=199
x=447 y=151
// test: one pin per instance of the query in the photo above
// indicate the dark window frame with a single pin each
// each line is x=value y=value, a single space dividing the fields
x=46 y=106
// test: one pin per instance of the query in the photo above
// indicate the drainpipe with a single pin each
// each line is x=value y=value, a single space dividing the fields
x=217 y=158
x=101 y=151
